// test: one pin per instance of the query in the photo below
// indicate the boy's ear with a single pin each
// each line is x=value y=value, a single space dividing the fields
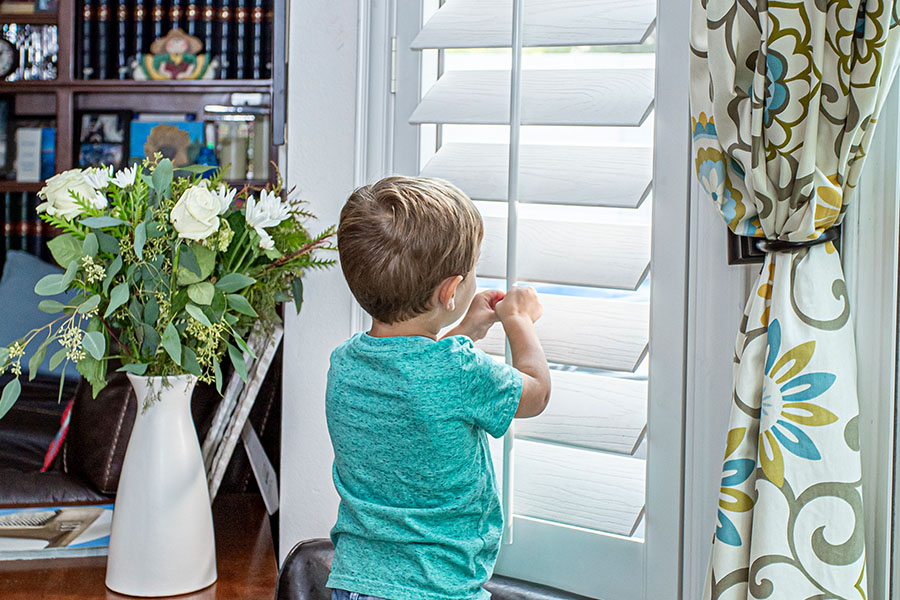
x=445 y=292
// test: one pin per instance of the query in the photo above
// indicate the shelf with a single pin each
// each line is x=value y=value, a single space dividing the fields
x=12 y=187
x=39 y=18
x=123 y=87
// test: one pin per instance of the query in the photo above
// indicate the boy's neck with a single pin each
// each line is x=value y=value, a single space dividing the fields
x=425 y=325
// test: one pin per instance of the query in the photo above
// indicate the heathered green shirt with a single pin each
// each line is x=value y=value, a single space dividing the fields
x=419 y=517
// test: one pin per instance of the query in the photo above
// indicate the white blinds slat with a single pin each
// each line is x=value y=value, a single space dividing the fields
x=606 y=255
x=588 y=332
x=578 y=487
x=486 y=23
x=614 y=97
x=575 y=175
x=591 y=411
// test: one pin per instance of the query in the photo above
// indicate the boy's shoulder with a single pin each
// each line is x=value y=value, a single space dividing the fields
x=451 y=348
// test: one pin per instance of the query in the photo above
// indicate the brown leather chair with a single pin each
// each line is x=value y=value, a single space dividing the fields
x=307 y=565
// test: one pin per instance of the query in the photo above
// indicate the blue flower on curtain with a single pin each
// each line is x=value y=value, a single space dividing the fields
x=776 y=89
x=731 y=499
x=786 y=404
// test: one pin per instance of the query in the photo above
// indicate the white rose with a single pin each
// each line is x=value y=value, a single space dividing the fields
x=196 y=214
x=57 y=195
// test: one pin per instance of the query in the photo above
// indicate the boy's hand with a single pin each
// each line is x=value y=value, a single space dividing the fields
x=520 y=301
x=480 y=316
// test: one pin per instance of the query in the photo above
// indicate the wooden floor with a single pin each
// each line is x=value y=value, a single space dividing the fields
x=245 y=560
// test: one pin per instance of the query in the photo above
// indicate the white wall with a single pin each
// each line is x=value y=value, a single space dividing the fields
x=322 y=49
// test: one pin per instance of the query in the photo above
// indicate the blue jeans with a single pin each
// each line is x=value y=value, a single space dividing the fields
x=345 y=595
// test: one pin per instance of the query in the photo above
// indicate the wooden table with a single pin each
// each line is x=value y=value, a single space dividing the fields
x=245 y=560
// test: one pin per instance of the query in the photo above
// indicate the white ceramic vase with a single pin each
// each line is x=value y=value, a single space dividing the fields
x=162 y=541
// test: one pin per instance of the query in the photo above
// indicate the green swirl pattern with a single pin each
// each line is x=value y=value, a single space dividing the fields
x=785 y=97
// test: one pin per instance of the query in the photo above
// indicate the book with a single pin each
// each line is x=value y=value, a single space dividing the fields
x=87 y=43
x=28 y=154
x=55 y=531
x=176 y=12
x=17 y=7
x=163 y=117
x=176 y=140
x=258 y=59
x=241 y=35
x=208 y=17
x=222 y=39
x=157 y=19
x=23 y=227
x=7 y=221
x=269 y=32
x=122 y=52
x=103 y=23
x=140 y=18
x=48 y=153
x=46 y=5
x=4 y=134
x=192 y=19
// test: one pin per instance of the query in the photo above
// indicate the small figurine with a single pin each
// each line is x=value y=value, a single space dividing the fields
x=174 y=56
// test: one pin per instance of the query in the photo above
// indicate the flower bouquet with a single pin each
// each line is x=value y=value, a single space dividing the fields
x=165 y=276
x=168 y=275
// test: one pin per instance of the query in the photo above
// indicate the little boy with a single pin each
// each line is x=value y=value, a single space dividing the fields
x=419 y=517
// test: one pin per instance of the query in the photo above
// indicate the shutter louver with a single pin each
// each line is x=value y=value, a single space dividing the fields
x=488 y=23
x=611 y=97
x=575 y=175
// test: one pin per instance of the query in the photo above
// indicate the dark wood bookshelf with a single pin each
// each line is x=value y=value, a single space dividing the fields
x=38 y=18
x=72 y=94
x=13 y=187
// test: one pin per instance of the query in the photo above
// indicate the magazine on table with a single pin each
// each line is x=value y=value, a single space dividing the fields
x=54 y=531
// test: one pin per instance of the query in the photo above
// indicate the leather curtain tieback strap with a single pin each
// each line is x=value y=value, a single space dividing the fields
x=781 y=246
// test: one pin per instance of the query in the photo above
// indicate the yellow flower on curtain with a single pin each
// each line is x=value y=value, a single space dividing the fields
x=786 y=404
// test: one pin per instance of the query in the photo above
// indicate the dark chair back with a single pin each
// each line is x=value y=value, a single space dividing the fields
x=308 y=564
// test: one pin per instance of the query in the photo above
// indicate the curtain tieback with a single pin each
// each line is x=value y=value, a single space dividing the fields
x=829 y=235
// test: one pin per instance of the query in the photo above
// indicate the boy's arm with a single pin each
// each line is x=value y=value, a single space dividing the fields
x=517 y=312
x=479 y=317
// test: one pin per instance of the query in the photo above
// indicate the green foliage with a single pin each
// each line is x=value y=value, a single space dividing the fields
x=158 y=301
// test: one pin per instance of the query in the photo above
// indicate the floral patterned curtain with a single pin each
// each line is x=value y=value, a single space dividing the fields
x=784 y=101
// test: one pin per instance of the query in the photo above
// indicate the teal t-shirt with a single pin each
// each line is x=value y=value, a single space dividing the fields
x=419 y=517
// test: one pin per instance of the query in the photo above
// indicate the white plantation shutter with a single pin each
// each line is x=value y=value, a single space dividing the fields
x=581 y=220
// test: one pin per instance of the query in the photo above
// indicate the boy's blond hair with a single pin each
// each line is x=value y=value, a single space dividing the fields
x=400 y=237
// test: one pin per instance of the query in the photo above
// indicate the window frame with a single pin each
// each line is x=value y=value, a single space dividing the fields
x=391 y=144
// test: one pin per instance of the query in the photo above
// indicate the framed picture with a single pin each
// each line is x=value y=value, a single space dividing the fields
x=102 y=138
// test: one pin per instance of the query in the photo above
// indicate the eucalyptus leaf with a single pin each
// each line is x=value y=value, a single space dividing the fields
x=197 y=314
x=34 y=363
x=151 y=312
x=108 y=243
x=10 y=394
x=171 y=343
x=201 y=293
x=111 y=271
x=140 y=238
x=89 y=304
x=133 y=368
x=151 y=339
x=162 y=178
x=241 y=305
x=190 y=362
x=234 y=282
x=231 y=319
x=91 y=245
x=117 y=298
x=297 y=290
x=179 y=301
x=217 y=369
x=101 y=222
x=197 y=169
x=57 y=358
x=237 y=360
x=243 y=345
x=65 y=248
x=50 y=285
x=51 y=306
x=95 y=344
x=218 y=306
x=4 y=355
x=154 y=230
x=69 y=275
x=187 y=260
